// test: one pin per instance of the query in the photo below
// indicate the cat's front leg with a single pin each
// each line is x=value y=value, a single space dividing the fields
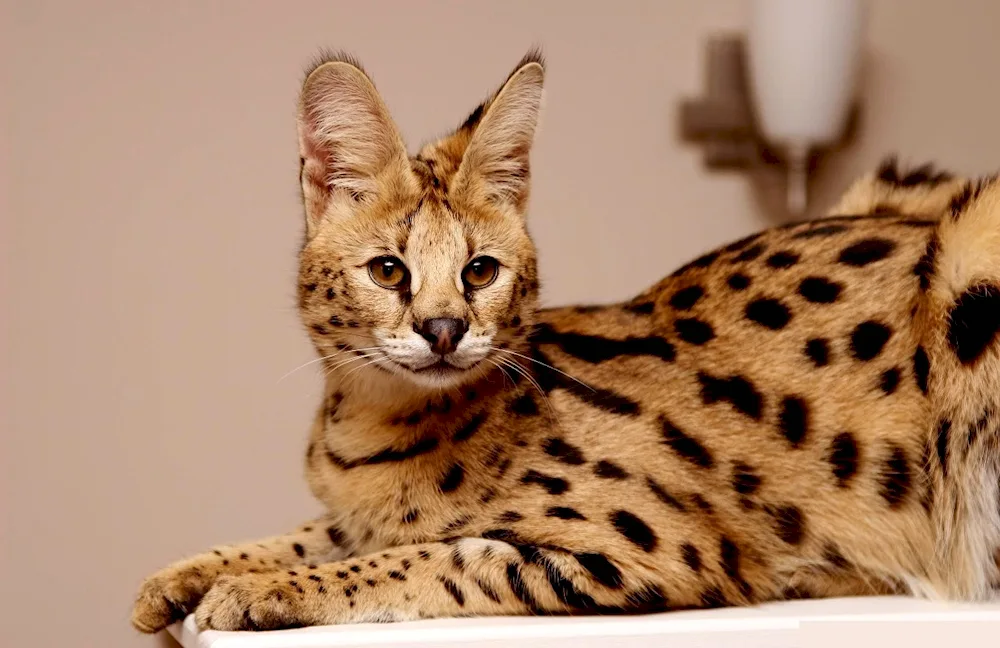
x=468 y=577
x=173 y=592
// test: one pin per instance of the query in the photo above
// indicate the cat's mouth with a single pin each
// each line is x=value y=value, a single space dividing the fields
x=441 y=367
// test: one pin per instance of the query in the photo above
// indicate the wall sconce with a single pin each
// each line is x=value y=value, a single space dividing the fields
x=783 y=97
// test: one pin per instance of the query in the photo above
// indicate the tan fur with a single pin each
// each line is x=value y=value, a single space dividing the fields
x=814 y=411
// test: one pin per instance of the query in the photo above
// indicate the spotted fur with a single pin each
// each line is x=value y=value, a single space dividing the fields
x=810 y=411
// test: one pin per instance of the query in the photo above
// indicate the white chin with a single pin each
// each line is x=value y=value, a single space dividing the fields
x=438 y=376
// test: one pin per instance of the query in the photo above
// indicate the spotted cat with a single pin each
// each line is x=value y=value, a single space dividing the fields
x=810 y=411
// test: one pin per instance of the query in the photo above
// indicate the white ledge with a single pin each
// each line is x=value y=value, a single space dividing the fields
x=894 y=622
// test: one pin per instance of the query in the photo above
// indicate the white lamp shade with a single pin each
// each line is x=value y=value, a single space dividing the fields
x=803 y=61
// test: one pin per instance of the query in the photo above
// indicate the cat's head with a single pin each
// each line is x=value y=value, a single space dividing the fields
x=420 y=266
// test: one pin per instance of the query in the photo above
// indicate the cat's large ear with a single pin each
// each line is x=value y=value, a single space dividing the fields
x=347 y=140
x=495 y=166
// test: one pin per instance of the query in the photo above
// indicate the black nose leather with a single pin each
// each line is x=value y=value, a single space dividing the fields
x=443 y=333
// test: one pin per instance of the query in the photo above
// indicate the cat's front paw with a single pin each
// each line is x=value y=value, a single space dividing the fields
x=169 y=595
x=255 y=602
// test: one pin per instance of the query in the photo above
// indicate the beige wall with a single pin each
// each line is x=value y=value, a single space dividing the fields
x=153 y=220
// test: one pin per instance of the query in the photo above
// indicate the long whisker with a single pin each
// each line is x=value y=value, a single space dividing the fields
x=326 y=357
x=376 y=360
x=527 y=375
x=539 y=362
x=500 y=367
x=342 y=363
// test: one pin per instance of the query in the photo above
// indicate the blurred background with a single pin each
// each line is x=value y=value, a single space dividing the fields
x=151 y=220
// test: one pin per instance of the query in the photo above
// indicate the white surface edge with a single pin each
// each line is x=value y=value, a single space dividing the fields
x=913 y=622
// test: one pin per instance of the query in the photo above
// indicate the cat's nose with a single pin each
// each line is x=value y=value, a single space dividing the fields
x=443 y=333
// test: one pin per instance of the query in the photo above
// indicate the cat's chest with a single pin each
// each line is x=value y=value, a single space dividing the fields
x=403 y=489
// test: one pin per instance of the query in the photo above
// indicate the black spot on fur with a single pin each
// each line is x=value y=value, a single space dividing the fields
x=456 y=558
x=565 y=590
x=738 y=281
x=895 y=478
x=703 y=261
x=844 y=457
x=943 y=431
x=554 y=485
x=524 y=405
x=456 y=525
x=793 y=419
x=889 y=380
x=979 y=427
x=519 y=587
x=468 y=430
x=395 y=575
x=563 y=451
x=596 y=349
x=769 y=313
x=833 y=556
x=641 y=307
x=453 y=478
x=702 y=503
x=820 y=290
x=664 y=496
x=789 y=523
x=648 y=599
x=921 y=368
x=602 y=569
x=745 y=480
x=974 y=322
x=967 y=194
x=609 y=470
x=691 y=555
x=454 y=590
x=564 y=513
x=736 y=246
x=818 y=350
x=411 y=516
x=510 y=516
x=868 y=339
x=488 y=590
x=750 y=253
x=865 y=252
x=299 y=550
x=729 y=560
x=924 y=269
x=735 y=390
x=888 y=172
x=693 y=331
x=604 y=399
x=634 y=529
x=713 y=598
x=821 y=230
x=686 y=298
x=685 y=445
x=781 y=260
x=389 y=455
x=337 y=536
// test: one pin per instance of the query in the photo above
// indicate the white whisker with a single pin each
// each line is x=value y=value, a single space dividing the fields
x=500 y=367
x=321 y=359
x=539 y=362
x=342 y=363
x=527 y=375
x=376 y=360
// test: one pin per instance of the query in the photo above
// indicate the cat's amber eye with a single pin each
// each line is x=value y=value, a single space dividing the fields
x=480 y=272
x=388 y=272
